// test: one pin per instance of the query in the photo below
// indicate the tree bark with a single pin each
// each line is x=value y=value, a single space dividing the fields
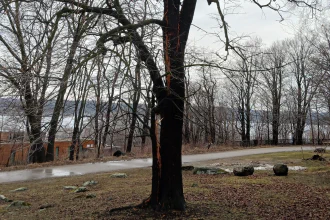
x=60 y=99
x=136 y=99
x=167 y=189
x=109 y=108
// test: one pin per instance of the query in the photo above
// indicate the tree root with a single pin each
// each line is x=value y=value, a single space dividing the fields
x=145 y=203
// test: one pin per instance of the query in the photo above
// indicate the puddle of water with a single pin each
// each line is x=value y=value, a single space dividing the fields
x=121 y=162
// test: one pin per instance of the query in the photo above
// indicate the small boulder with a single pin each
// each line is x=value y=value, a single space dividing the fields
x=319 y=150
x=118 y=153
x=280 y=169
x=46 y=206
x=243 y=171
x=80 y=189
x=90 y=196
x=19 y=189
x=70 y=187
x=119 y=175
x=209 y=170
x=4 y=198
x=19 y=204
x=90 y=183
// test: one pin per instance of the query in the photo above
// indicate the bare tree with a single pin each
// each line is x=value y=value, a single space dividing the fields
x=77 y=26
x=80 y=90
x=243 y=78
x=121 y=27
x=28 y=37
x=300 y=52
x=274 y=62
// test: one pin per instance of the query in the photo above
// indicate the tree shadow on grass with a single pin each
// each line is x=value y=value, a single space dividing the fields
x=193 y=211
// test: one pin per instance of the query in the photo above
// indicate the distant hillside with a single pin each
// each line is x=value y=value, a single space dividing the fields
x=11 y=106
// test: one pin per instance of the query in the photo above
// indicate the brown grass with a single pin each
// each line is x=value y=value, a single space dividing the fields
x=300 y=195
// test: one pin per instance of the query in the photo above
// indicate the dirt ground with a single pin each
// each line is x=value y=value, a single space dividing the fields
x=300 y=195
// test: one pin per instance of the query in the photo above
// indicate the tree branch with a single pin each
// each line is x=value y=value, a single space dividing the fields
x=104 y=37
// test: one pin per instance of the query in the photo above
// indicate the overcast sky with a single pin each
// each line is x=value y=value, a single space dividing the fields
x=248 y=19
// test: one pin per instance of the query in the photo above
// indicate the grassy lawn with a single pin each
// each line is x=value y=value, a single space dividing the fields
x=300 y=195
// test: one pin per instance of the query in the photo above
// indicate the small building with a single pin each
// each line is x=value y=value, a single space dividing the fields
x=17 y=152
x=10 y=136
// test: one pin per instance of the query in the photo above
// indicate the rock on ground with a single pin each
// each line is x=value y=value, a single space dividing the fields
x=19 y=189
x=46 y=206
x=4 y=198
x=19 y=204
x=80 y=189
x=319 y=150
x=70 y=187
x=119 y=175
x=243 y=171
x=280 y=169
x=90 y=196
x=90 y=183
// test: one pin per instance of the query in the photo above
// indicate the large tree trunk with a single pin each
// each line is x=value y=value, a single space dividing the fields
x=167 y=189
x=171 y=189
x=37 y=150
x=275 y=121
x=300 y=131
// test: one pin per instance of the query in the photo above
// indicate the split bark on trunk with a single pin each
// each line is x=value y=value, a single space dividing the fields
x=167 y=188
x=167 y=180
